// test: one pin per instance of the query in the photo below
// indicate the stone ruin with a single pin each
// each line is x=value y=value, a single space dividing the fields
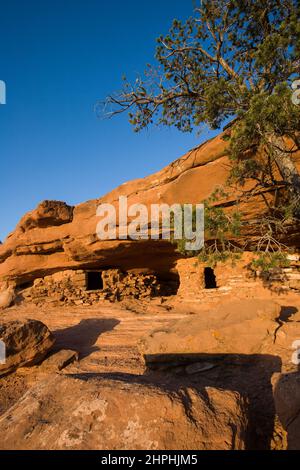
x=200 y=282
x=190 y=280
x=85 y=287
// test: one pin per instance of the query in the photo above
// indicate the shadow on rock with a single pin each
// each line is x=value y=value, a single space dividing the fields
x=83 y=336
x=287 y=403
x=287 y=313
x=248 y=375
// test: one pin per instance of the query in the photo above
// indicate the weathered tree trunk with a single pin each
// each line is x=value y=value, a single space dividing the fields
x=287 y=168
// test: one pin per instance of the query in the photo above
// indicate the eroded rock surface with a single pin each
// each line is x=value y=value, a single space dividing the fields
x=233 y=327
x=106 y=337
x=68 y=413
x=26 y=343
x=47 y=214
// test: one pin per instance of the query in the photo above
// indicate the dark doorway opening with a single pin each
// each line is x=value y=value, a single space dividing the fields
x=94 y=281
x=169 y=283
x=210 y=279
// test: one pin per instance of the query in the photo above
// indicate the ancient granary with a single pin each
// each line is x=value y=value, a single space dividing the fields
x=54 y=253
x=190 y=281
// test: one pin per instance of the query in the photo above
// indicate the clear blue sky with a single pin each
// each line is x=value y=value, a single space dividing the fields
x=58 y=57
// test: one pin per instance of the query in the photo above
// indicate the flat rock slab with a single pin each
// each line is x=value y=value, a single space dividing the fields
x=233 y=328
x=71 y=413
x=59 y=360
x=26 y=344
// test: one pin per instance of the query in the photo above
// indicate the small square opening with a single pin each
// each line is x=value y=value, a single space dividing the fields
x=94 y=280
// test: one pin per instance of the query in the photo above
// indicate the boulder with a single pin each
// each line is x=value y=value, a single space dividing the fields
x=26 y=342
x=287 y=403
x=59 y=360
x=7 y=297
x=68 y=413
x=235 y=327
x=47 y=214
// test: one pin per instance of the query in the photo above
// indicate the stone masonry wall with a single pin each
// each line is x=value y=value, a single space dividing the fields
x=237 y=278
x=70 y=288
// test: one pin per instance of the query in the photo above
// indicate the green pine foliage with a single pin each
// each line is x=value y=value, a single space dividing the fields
x=221 y=229
x=232 y=59
x=266 y=262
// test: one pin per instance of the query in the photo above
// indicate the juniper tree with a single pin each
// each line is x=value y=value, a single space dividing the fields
x=233 y=59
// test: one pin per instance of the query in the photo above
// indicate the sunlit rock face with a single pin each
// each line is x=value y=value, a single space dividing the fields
x=56 y=237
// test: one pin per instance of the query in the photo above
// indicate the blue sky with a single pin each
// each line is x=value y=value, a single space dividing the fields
x=57 y=59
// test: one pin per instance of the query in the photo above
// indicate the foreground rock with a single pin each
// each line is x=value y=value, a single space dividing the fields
x=27 y=343
x=233 y=328
x=287 y=403
x=67 y=413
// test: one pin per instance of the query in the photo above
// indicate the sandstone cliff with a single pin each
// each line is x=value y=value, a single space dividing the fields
x=57 y=237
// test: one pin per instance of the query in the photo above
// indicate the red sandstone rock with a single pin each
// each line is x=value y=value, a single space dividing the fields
x=59 y=360
x=65 y=413
x=233 y=328
x=7 y=297
x=26 y=342
x=55 y=236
